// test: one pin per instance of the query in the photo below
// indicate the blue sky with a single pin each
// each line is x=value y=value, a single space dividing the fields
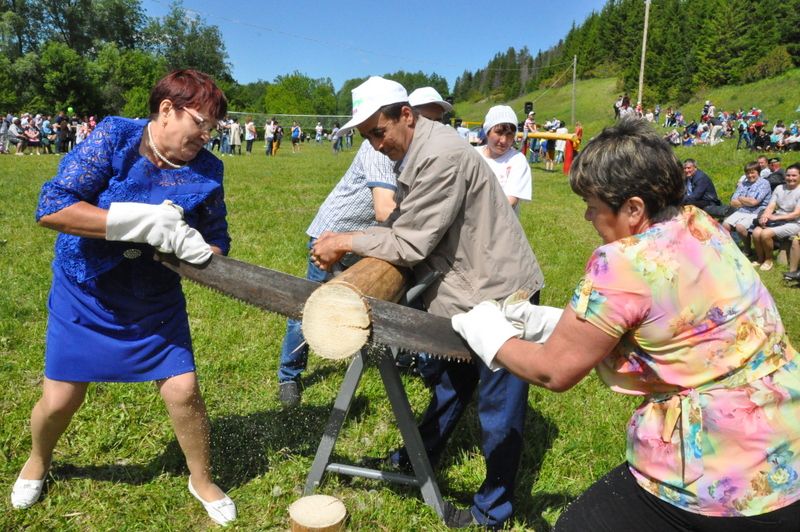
x=344 y=39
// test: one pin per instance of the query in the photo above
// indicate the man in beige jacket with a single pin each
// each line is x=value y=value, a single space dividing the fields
x=452 y=217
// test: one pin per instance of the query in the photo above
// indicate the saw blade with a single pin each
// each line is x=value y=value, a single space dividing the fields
x=264 y=288
x=392 y=324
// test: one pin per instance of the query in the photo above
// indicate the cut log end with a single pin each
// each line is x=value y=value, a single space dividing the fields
x=317 y=513
x=336 y=322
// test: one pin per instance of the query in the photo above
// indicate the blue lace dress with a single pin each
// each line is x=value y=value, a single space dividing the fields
x=115 y=314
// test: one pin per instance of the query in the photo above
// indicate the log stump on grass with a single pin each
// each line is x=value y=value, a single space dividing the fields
x=317 y=513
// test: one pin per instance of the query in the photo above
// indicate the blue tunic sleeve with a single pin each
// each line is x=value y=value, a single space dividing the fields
x=83 y=172
x=107 y=167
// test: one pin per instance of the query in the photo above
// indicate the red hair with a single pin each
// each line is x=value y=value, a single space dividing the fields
x=189 y=88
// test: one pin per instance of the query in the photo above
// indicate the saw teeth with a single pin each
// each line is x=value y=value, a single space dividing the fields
x=447 y=358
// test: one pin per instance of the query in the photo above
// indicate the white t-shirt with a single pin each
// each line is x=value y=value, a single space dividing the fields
x=513 y=172
x=561 y=145
x=785 y=200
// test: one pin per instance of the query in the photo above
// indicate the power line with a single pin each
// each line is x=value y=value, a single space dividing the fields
x=516 y=69
x=552 y=85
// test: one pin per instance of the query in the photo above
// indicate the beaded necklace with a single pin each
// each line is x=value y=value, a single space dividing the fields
x=158 y=153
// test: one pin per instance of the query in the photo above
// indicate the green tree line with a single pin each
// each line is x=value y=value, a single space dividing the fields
x=103 y=57
x=691 y=44
x=99 y=56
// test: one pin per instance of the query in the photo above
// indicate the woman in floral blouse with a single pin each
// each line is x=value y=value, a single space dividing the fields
x=669 y=309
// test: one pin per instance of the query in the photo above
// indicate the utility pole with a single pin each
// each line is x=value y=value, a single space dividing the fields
x=574 y=71
x=644 y=49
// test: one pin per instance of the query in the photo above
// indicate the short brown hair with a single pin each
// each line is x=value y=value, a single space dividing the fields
x=189 y=88
x=630 y=159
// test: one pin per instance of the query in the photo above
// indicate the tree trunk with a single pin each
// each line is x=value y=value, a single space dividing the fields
x=336 y=317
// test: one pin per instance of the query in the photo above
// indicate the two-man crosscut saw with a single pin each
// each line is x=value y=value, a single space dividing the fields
x=392 y=324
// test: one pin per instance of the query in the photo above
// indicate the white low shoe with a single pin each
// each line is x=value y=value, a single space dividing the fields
x=221 y=512
x=26 y=492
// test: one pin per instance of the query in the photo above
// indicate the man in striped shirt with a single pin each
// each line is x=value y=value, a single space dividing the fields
x=364 y=196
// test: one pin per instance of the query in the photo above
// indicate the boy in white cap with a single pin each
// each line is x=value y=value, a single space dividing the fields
x=452 y=217
x=508 y=164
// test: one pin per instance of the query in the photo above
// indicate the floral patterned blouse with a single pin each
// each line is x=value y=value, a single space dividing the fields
x=700 y=338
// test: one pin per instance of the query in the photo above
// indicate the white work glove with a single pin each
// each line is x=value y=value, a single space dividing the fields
x=485 y=329
x=161 y=226
x=187 y=244
x=536 y=322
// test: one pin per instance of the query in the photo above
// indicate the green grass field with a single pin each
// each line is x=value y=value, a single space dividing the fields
x=118 y=467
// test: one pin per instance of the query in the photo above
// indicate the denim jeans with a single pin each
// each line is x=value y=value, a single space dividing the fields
x=294 y=350
x=745 y=136
x=533 y=151
x=502 y=404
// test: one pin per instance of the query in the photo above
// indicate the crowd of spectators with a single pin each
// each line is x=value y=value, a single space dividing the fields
x=763 y=212
x=43 y=133
x=751 y=129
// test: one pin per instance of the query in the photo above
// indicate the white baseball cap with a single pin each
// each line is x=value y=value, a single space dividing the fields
x=426 y=95
x=499 y=114
x=371 y=96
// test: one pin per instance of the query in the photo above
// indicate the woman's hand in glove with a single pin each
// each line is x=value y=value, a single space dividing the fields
x=536 y=322
x=162 y=226
x=485 y=329
x=143 y=223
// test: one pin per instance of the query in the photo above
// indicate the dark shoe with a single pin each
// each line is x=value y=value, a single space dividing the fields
x=792 y=276
x=455 y=517
x=289 y=394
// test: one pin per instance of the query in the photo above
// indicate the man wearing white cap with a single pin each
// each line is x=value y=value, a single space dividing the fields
x=453 y=218
x=508 y=164
x=429 y=103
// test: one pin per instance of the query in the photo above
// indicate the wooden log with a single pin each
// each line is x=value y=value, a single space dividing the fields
x=317 y=513
x=336 y=316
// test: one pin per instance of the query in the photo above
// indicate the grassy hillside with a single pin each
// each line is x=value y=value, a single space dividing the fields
x=778 y=97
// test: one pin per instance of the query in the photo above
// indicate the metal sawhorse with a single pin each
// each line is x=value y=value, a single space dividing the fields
x=423 y=477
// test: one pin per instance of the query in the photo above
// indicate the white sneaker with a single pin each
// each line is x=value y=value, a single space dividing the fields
x=26 y=493
x=222 y=511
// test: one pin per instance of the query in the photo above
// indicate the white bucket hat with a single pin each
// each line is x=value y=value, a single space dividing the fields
x=499 y=114
x=426 y=95
x=371 y=96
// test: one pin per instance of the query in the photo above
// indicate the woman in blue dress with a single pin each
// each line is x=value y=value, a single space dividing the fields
x=131 y=189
